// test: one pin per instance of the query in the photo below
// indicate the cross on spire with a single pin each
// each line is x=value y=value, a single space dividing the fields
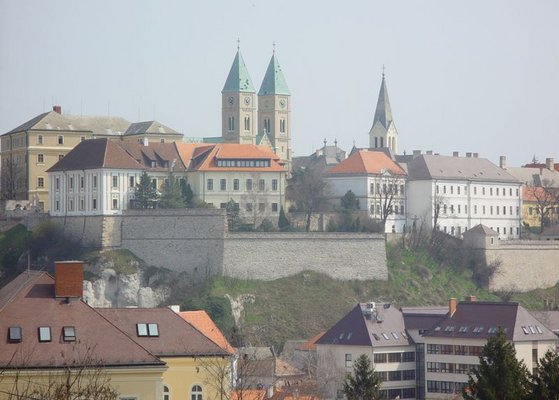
x=238 y=43
x=274 y=47
x=383 y=68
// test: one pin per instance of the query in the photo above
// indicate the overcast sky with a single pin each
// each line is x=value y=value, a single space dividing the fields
x=479 y=76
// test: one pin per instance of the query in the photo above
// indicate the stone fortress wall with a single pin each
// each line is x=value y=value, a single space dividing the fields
x=525 y=264
x=195 y=241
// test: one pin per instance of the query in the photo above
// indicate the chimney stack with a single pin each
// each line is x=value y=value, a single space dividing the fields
x=468 y=155
x=57 y=109
x=452 y=306
x=455 y=154
x=416 y=153
x=549 y=164
x=429 y=152
x=471 y=298
x=68 y=279
x=475 y=155
x=503 y=162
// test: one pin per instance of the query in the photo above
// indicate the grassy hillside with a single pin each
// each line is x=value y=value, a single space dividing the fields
x=303 y=305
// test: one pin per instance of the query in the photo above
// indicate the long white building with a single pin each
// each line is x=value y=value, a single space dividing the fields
x=456 y=193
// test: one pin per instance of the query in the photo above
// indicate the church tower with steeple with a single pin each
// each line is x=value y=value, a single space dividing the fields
x=383 y=133
x=238 y=102
x=274 y=111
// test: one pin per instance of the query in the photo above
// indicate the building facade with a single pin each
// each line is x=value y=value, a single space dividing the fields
x=378 y=183
x=29 y=150
x=456 y=193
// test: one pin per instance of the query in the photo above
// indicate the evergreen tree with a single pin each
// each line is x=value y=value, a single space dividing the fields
x=350 y=202
x=172 y=194
x=500 y=375
x=362 y=383
x=545 y=384
x=233 y=219
x=283 y=222
x=186 y=192
x=146 y=195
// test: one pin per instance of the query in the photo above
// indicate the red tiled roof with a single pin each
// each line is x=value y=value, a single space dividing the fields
x=28 y=302
x=366 y=162
x=310 y=345
x=202 y=321
x=541 y=165
x=204 y=160
x=176 y=336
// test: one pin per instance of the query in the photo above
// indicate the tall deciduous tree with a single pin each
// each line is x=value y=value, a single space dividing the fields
x=362 y=383
x=500 y=375
x=545 y=198
x=308 y=190
x=545 y=384
x=146 y=195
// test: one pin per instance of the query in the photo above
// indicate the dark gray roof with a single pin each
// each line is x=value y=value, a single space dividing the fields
x=464 y=168
x=480 y=320
x=481 y=229
x=383 y=112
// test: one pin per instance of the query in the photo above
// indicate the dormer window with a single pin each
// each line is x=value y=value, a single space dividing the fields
x=147 y=330
x=154 y=164
x=14 y=334
x=45 y=334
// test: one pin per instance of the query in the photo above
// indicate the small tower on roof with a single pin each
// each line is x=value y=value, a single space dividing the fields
x=383 y=133
x=274 y=110
x=238 y=102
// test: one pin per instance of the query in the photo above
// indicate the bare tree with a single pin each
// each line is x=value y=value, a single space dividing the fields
x=329 y=375
x=388 y=191
x=13 y=178
x=308 y=190
x=439 y=206
x=546 y=199
x=82 y=377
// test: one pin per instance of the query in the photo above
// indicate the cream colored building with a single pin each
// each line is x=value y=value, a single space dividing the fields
x=28 y=151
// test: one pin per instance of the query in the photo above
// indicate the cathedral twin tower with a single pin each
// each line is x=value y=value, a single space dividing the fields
x=269 y=123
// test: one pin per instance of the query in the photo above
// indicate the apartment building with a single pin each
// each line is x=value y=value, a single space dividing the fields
x=379 y=184
x=456 y=193
x=427 y=352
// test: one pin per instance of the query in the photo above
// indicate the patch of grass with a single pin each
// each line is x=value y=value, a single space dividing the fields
x=124 y=261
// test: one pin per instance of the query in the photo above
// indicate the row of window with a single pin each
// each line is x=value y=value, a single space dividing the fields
x=406 y=393
x=392 y=209
x=450 y=368
x=381 y=358
x=457 y=231
x=446 y=387
x=15 y=334
x=236 y=184
x=492 y=209
x=387 y=189
x=115 y=204
x=538 y=211
x=249 y=207
x=454 y=349
x=247 y=124
x=41 y=158
x=492 y=190
x=390 y=376
x=243 y=163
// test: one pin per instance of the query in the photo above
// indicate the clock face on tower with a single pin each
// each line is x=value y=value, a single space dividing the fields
x=247 y=100
x=282 y=103
x=231 y=100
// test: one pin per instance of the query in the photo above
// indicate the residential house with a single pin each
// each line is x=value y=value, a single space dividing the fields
x=379 y=184
x=30 y=149
x=188 y=353
x=50 y=333
x=377 y=330
x=453 y=194
x=99 y=176
x=250 y=175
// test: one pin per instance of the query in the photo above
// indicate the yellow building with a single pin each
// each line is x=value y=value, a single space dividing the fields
x=50 y=334
x=29 y=150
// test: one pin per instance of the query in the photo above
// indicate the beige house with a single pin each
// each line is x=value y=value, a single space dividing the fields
x=28 y=151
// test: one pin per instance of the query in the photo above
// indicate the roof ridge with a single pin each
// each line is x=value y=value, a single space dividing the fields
x=198 y=330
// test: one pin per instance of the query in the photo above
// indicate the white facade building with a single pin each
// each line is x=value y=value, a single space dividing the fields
x=457 y=193
x=377 y=182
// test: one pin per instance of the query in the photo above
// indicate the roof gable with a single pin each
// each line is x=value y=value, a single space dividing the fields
x=350 y=330
x=201 y=320
x=367 y=162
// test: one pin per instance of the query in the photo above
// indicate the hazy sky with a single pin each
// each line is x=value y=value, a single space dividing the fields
x=480 y=76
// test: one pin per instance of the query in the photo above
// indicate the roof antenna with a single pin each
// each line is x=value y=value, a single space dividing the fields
x=383 y=68
x=274 y=47
x=238 y=44
x=324 y=142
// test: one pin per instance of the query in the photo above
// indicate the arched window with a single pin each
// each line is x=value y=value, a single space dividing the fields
x=166 y=393
x=196 y=392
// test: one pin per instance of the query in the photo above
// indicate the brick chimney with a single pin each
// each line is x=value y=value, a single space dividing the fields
x=452 y=306
x=471 y=298
x=549 y=163
x=68 y=279
x=57 y=109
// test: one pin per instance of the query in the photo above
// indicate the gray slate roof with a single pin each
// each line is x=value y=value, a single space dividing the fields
x=153 y=127
x=383 y=112
x=462 y=168
x=481 y=229
x=535 y=176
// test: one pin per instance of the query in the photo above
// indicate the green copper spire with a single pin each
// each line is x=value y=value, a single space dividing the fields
x=238 y=79
x=274 y=81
